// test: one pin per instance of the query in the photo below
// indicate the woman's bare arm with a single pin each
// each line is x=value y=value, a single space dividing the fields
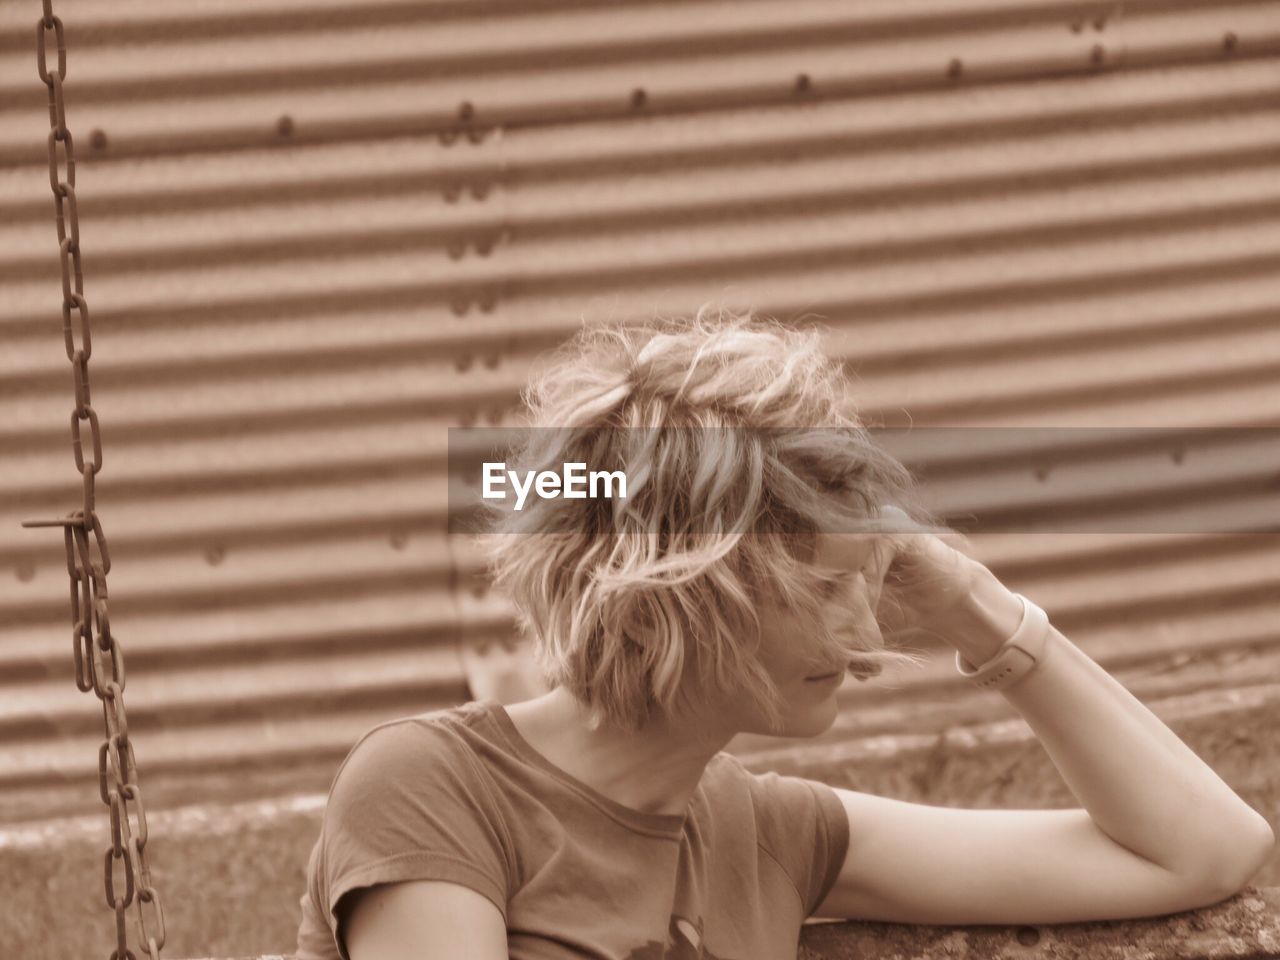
x=421 y=920
x=1141 y=784
x=1159 y=830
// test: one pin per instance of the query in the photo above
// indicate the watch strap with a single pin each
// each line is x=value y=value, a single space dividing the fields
x=1016 y=657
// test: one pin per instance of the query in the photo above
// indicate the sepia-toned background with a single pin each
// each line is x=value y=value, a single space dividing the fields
x=318 y=234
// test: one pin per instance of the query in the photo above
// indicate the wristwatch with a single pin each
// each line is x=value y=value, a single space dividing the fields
x=1016 y=656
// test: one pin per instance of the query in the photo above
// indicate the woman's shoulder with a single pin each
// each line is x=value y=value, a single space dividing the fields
x=433 y=724
x=777 y=800
x=800 y=823
x=410 y=801
x=728 y=790
x=419 y=746
x=726 y=771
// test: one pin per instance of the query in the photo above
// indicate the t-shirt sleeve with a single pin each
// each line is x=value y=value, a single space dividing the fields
x=803 y=825
x=409 y=803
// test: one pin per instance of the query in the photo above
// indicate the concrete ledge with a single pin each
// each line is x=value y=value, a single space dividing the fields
x=1246 y=927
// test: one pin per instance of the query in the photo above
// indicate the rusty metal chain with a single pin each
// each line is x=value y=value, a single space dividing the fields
x=98 y=659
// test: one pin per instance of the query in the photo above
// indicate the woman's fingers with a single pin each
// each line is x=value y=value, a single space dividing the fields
x=868 y=625
x=844 y=551
x=906 y=578
x=877 y=568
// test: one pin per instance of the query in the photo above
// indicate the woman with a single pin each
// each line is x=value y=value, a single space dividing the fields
x=764 y=548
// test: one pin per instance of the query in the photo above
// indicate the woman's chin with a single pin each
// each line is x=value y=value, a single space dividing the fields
x=813 y=714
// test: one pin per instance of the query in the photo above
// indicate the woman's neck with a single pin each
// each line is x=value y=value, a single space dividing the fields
x=654 y=770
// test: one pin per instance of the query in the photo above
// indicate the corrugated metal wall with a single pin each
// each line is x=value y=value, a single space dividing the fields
x=317 y=234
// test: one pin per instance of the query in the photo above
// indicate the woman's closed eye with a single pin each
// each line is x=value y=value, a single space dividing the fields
x=837 y=584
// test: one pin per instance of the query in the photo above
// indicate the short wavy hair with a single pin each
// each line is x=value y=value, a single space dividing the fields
x=739 y=443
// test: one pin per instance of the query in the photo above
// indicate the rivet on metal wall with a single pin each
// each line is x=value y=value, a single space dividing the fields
x=463 y=363
x=487 y=303
x=399 y=539
x=639 y=97
x=480 y=190
x=460 y=307
x=451 y=193
x=215 y=554
x=284 y=126
x=98 y=139
x=1042 y=474
x=25 y=571
x=1077 y=26
x=955 y=67
x=456 y=250
x=491 y=361
x=1177 y=455
x=484 y=246
x=447 y=137
x=1229 y=41
x=465 y=110
x=803 y=83
x=1100 y=23
x=1098 y=53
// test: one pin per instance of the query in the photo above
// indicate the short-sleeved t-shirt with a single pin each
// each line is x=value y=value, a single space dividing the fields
x=459 y=795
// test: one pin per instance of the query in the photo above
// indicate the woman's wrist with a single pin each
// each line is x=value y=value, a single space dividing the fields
x=985 y=618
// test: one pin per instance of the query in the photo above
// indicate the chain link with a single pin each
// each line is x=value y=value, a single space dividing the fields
x=98 y=658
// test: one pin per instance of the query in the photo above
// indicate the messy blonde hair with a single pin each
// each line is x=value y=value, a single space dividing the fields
x=739 y=445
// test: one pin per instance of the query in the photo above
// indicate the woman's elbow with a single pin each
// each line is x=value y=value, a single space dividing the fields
x=1240 y=861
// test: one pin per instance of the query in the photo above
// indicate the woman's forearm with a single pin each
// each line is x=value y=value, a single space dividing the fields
x=1140 y=783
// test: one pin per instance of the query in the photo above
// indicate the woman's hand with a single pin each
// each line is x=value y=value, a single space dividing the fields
x=904 y=581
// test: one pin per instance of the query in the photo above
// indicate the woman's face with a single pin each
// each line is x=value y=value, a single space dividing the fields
x=806 y=682
x=807 y=688
x=804 y=675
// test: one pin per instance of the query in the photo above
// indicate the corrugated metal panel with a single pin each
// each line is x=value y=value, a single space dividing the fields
x=318 y=234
